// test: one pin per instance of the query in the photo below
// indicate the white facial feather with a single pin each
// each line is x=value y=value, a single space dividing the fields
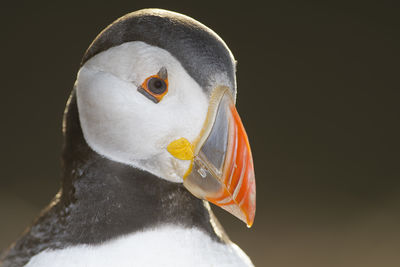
x=169 y=246
x=122 y=124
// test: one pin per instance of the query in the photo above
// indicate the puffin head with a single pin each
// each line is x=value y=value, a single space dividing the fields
x=156 y=90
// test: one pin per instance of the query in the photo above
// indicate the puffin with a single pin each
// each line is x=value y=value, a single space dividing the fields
x=151 y=137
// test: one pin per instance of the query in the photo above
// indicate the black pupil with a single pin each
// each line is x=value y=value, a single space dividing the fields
x=157 y=86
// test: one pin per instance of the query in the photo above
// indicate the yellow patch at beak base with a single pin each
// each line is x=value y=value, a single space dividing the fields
x=181 y=149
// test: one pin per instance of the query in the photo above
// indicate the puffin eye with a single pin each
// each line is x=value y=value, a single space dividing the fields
x=155 y=87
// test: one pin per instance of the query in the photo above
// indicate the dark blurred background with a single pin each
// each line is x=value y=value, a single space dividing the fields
x=318 y=93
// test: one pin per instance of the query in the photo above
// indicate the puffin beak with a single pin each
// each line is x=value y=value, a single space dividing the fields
x=221 y=168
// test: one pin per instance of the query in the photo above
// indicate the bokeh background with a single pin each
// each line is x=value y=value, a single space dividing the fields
x=318 y=89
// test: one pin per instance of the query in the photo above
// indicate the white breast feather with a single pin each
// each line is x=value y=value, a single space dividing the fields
x=167 y=246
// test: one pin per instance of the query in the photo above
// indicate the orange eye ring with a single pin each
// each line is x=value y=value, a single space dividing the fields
x=155 y=87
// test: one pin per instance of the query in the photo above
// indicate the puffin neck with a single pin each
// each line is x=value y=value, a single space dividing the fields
x=110 y=199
